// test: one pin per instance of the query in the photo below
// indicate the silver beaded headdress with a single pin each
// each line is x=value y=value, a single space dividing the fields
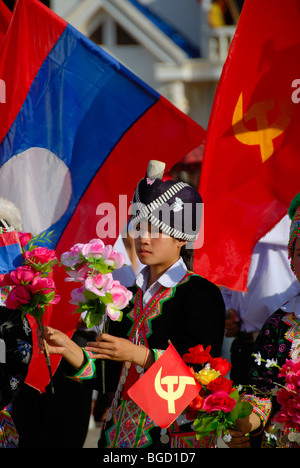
x=174 y=208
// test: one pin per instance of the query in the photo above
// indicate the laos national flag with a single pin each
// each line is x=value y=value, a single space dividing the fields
x=77 y=130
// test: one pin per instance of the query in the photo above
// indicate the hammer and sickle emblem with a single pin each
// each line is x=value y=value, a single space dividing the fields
x=265 y=133
x=170 y=394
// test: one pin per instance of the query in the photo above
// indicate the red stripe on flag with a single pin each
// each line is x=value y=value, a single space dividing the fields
x=5 y=15
x=162 y=133
x=9 y=238
x=20 y=57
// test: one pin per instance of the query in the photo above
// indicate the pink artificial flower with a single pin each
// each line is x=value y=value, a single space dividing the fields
x=79 y=275
x=121 y=296
x=93 y=249
x=99 y=284
x=39 y=256
x=42 y=285
x=78 y=296
x=18 y=296
x=283 y=395
x=113 y=258
x=25 y=238
x=5 y=280
x=73 y=256
x=289 y=414
x=289 y=366
x=219 y=401
x=55 y=300
x=23 y=274
x=113 y=312
x=288 y=396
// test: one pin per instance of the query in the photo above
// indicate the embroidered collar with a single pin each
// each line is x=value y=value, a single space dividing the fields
x=169 y=279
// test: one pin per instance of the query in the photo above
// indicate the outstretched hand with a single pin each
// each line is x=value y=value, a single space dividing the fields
x=119 y=349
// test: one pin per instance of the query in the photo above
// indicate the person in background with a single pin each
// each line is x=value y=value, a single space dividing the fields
x=15 y=338
x=270 y=283
x=277 y=342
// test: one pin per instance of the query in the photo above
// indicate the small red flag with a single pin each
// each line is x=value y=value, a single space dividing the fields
x=165 y=389
x=251 y=161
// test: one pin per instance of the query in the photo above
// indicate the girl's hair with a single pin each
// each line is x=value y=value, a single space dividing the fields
x=188 y=257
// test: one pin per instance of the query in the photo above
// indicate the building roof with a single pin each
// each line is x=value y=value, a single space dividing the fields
x=151 y=31
x=168 y=30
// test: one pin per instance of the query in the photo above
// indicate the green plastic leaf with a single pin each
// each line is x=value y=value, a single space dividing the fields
x=246 y=410
x=107 y=299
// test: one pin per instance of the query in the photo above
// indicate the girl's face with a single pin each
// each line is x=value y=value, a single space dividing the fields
x=155 y=248
x=296 y=258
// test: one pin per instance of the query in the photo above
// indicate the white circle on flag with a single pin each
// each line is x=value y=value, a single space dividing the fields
x=40 y=184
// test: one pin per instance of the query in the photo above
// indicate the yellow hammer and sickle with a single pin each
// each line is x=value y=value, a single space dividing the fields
x=170 y=394
x=265 y=133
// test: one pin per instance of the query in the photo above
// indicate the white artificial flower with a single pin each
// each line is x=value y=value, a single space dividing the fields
x=257 y=358
x=271 y=363
x=227 y=438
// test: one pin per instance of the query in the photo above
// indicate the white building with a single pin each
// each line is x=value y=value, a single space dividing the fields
x=167 y=43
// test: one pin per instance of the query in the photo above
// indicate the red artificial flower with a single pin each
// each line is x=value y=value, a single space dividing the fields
x=219 y=401
x=221 y=365
x=194 y=407
x=25 y=238
x=23 y=274
x=40 y=255
x=221 y=383
x=197 y=402
x=198 y=355
x=17 y=297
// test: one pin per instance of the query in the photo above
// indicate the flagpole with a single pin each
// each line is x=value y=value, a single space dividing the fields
x=39 y=321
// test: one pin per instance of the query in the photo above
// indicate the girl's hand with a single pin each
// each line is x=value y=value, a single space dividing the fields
x=240 y=437
x=56 y=340
x=238 y=440
x=120 y=349
x=59 y=343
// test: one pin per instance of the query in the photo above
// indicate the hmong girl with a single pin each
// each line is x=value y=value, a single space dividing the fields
x=170 y=304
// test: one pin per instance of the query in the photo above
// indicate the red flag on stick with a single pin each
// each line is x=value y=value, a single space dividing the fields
x=251 y=161
x=166 y=389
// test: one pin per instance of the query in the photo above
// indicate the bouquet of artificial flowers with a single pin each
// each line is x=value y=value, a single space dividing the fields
x=288 y=396
x=284 y=429
x=30 y=287
x=99 y=296
x=218 y=404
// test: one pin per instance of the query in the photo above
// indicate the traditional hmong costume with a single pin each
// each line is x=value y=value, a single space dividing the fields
x=182 y=308
x=189 y=313
x=15 y=341
x=279 y=340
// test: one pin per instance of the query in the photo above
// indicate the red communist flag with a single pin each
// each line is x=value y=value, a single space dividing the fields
x=251 y=161
x=166 y=389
